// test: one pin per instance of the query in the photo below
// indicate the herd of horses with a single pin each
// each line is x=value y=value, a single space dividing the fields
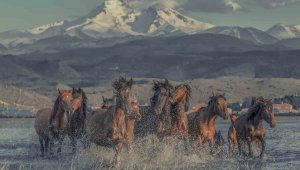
x=121 y=118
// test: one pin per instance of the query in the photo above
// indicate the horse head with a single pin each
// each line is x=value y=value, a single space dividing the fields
x=218 y=105
x=162 y=95
x=126 y=98
x=182 y=93
x=265 y=110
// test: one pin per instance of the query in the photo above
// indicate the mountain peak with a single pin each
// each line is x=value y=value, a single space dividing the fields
x=282 y=31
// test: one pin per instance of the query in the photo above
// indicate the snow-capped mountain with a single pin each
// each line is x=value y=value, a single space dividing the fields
x=114 y=18
x=281 y=31
x=250 y=34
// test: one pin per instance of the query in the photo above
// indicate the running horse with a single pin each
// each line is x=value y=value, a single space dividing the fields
x=156 y=119
x=202 y=123
x=77 y=128
x=115 y=127
x=179 y=107
x=249 y=127
x=57 y=118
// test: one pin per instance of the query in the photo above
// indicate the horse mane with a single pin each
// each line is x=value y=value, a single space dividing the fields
x=256 y=105
x=120 y=84
x=84 y=102
x=83 y=106
x=213 y=98
x=55 y=106
x=188 y=94
x=159 y=84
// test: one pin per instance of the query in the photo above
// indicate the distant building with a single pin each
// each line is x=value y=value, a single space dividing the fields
x=282 y=108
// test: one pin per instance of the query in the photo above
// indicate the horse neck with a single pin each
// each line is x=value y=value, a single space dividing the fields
x=130 y=125
x=257 y=121
x=211 y=115
x=180 y=108
x=166 y=109
x=119 y=103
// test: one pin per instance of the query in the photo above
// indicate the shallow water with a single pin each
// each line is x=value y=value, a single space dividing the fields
x=19 y=148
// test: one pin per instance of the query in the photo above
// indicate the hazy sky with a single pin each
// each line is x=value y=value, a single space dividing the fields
x=22 y=14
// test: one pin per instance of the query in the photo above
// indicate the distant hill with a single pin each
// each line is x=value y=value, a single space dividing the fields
x=251 y=34
x=292 y=43
x=13 y=97
x=177 y=58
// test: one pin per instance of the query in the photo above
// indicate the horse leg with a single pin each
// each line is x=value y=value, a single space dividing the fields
x=263 y=147
x=42 y=146
x=51 y=145
x=212 y=143
x=118 y=148
x=60 y=142
x=46 y=145
x=230 y=147
x=250 y=147
x=85 y=141
x=200 y=141
x=240 y=147
x=73 y=143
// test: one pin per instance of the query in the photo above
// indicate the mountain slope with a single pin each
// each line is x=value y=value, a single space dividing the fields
x=251 y=34
x=291 y=43
x=281 y=31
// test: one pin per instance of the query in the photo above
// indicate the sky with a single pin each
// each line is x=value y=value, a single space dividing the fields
x=262 y=14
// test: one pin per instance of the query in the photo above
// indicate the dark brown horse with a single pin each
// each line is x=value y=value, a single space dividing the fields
x=115 y=127
x=156 y=119
x=77 y=128
x=180 y=104
x=58 y=119
x=202 y=123
x=249 y=127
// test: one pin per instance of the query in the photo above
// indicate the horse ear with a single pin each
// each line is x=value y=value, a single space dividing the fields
x=155 y=82
x=166 y=82
x=213 y=93
x=253 y=101
x=79 y=90
x=59 y=91
x=130 y=82
x=103 y=99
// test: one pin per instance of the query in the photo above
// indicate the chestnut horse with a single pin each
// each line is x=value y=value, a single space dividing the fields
x=77 y=128
x=249 y=127
x=115 y=127
x=179 y=120
x=157 y=118
x=58 y=117
x=202 y=123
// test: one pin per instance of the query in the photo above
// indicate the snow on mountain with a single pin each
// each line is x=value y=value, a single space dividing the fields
x=281 y=31
x=114 y=18
x=43 y=28
x=251 y=34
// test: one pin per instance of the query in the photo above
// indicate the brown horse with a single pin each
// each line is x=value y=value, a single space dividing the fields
x=179 y=120
x=157 y=118
x=115 y=127
x=77 y=128
x=202 y=123
x=249 y=127
x=58 y=117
